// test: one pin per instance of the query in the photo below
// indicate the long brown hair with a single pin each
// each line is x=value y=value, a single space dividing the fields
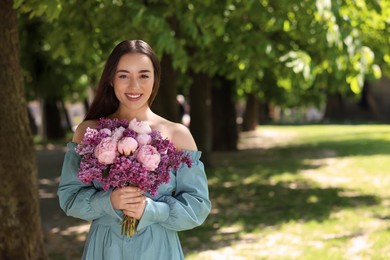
x=105 y=102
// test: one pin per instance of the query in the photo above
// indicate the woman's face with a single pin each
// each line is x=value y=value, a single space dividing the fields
x=133 y=81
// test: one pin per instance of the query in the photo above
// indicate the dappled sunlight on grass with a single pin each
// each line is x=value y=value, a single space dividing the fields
x=290 y=192
x=312 y=192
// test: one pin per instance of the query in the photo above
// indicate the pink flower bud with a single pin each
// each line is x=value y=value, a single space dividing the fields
x=118 y=133
x=106 y=131
x=144 y=139
x=127 y=145
x=140 y=127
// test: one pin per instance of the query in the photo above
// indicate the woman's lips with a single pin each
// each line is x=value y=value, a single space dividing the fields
x=133 y=97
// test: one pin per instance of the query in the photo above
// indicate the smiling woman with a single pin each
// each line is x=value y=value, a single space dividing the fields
x=127 y=88
x=133 y=83
x=118 y=67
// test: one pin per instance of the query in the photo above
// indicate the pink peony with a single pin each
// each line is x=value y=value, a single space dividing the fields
x=127 y=145
x=140 y=127
x=143 y=139
x=118 y=133
x=149 y=157
x=106 y=151
x=106 y=131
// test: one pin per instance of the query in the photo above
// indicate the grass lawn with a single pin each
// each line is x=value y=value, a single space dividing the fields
x=299 y=192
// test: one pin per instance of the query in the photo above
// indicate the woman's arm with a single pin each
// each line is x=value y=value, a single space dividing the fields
x=190 y=205
x=81 y=200
x=77 y=199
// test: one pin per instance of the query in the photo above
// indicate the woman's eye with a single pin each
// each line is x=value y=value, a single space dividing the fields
x=145 y=76
x=122 y=76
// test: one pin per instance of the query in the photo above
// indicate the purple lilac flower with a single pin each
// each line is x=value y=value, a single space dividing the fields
x=127 y=170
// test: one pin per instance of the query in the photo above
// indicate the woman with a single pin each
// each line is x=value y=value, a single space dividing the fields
x=128 y=85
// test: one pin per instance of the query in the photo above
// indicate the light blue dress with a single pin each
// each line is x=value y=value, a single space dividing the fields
x=164 y=215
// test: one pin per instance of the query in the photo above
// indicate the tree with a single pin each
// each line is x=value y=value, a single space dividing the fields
x=167 y=92
x=281 y=52
x=201 y=120
x=44 y=78
x=20 y=228
x=224 y=134
x=78 y=39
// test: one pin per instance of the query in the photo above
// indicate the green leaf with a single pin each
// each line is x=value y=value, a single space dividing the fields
x=106 y=172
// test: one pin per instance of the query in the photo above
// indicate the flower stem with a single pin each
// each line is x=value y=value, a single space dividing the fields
x=129 y=226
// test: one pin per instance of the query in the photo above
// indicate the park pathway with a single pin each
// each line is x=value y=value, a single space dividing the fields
x=64 y=236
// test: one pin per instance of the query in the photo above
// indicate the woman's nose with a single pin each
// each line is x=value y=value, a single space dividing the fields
x=132 y=83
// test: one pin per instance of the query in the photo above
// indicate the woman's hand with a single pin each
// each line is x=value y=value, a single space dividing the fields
x=129 y=199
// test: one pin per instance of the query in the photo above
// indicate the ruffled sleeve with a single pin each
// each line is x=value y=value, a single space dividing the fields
x=190 y=205
x=81 y=200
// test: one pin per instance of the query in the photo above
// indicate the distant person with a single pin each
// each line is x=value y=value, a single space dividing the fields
x=127 y=88
x=182 y=103
x=183 y=110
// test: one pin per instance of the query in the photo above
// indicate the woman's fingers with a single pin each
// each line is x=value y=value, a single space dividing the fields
x=135 y=210
x=136 y=205
x=132 y=203
x=130 y=189
x=122 y=197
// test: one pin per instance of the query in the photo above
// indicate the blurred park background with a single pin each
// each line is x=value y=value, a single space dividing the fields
x=289 y=102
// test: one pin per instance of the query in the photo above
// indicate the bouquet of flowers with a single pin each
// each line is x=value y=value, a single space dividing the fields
x=120 y=153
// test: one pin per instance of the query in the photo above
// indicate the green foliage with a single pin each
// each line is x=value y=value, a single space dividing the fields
x=279 y=49
x=49 y=9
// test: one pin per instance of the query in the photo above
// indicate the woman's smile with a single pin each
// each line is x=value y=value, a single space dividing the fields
x=133 y=82
x=133 y=97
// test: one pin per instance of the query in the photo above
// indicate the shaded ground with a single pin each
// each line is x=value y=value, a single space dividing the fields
x=271 y=182
x=64 y=236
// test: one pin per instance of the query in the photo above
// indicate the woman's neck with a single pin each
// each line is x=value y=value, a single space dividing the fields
x=140 y=115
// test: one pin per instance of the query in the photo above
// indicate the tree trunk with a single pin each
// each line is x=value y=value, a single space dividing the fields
x=165 y=103
x=334 y=107
x=251 y=114
x=225 y=133
x=264 y=113
x=200 y=112
x=53 y=120
x=20 y=227
x=31 y=120
x=66 y=116
x=369 y=104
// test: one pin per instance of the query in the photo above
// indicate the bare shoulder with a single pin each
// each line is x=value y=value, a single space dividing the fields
x=179 y=134
x=182 y=137
x=81 y=128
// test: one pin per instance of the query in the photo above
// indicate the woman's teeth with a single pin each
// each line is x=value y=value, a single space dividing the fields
x=133 y=95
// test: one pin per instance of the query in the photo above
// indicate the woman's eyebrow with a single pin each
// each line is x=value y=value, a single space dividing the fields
x=144 y=71
x=141 y=71
x=126 y=71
